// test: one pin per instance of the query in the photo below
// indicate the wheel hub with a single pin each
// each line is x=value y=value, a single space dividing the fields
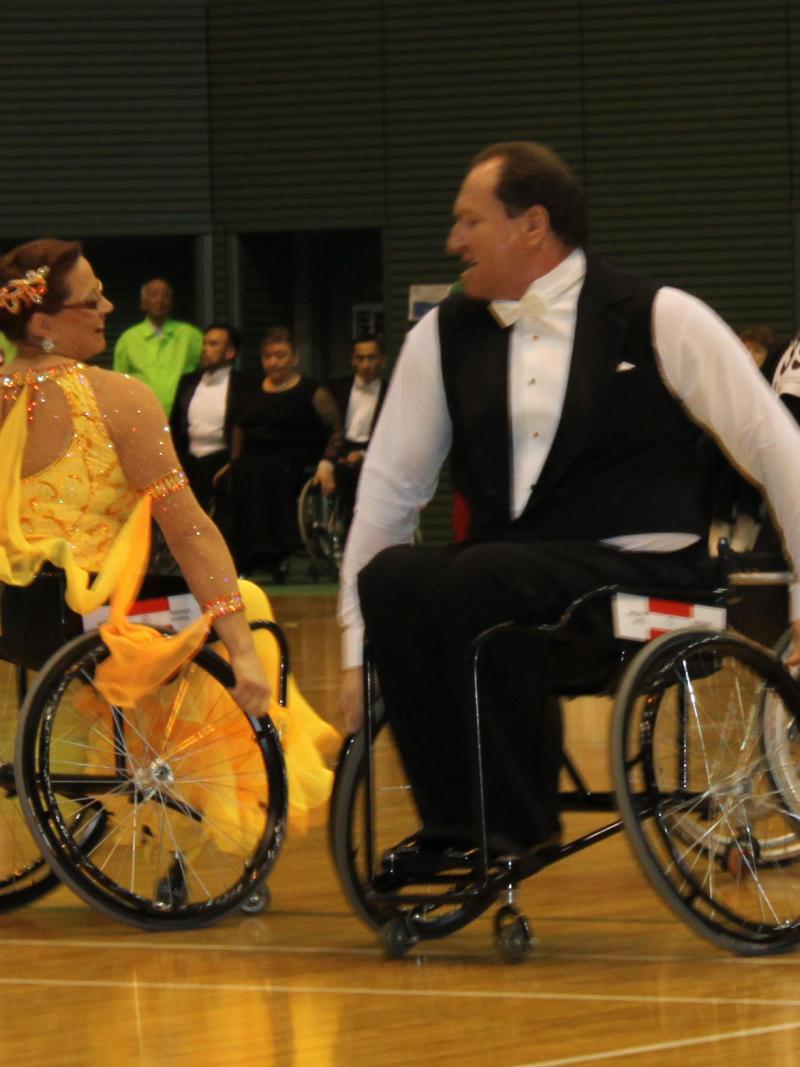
x=153 y=777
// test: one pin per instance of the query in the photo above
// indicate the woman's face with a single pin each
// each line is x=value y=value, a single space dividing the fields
x=77 y=329
x=279 y=362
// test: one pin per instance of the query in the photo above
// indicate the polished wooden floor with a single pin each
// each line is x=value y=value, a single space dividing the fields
x=615 y=978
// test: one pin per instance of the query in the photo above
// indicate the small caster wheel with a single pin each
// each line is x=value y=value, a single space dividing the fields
x=171 y=891
x=258 y=901
x=512 y=935
x=398 y=937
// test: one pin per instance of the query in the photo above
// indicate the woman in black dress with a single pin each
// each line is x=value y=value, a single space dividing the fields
x=280 y=429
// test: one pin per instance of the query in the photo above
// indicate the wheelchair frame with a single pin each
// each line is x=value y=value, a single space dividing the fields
x=183 y=896
x=323 y=534
x=400 y=891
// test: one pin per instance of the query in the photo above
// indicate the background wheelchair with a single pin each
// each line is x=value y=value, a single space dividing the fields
x=166 y=815
x=706 y=777
x=323 y=529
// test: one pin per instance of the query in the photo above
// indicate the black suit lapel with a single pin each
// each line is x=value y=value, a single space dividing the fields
x=599 y=332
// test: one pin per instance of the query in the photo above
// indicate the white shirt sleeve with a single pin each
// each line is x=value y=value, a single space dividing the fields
x=400 y=471
x=708 y=368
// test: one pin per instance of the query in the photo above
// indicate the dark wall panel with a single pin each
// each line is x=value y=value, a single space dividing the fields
x=105 y=125
x=297 y=114
x=458 y=77
x=687 y=148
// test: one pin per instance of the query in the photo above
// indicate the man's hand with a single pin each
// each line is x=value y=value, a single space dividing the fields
x=352 y=459
x=325 y=477
x=794 y=654
x=351 y=698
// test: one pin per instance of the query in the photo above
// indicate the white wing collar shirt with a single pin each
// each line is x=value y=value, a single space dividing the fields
x=700 y=359
x=361 y=410
x=539 y=355
x=207 y=413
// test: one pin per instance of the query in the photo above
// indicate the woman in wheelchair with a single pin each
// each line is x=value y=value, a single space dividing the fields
x=86 y=459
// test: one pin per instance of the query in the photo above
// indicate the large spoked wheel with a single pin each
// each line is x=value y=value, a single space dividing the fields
x=166 y=815
x=696 y=770
x=394 y=817
x=24 y=874
x=322 y=527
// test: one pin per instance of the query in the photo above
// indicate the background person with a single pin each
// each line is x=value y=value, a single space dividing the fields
x=359 y=398
x=201 y=419
x=159 y=350
x=282 y=426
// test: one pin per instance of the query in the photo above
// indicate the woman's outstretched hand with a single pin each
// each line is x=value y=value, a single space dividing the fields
x=252 y=691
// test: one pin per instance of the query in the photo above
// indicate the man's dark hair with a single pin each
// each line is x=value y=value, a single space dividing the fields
x=532 y=173
x=234 y=334
x=368 y=338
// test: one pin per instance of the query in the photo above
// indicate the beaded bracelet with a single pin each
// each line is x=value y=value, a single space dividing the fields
x=169 y=483
x=224 y=605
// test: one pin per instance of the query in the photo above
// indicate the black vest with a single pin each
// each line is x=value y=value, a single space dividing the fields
x=625 y=458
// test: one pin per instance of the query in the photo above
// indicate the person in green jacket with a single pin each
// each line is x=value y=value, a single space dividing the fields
x=160 y=350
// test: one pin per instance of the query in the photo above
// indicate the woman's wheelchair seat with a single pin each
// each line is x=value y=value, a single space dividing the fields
x=706 y=781
x=168 y=814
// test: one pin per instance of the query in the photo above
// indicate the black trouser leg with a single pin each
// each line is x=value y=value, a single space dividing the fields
x=423 y=607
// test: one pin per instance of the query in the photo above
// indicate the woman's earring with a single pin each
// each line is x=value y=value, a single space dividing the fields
x=47 y=345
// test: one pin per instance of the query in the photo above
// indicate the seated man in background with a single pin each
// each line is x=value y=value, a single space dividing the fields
x=159 y=350
x=359 y=398
x=202 y=413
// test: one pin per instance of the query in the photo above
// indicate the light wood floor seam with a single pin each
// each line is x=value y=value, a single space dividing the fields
x=663 y=1046
x=372 y=991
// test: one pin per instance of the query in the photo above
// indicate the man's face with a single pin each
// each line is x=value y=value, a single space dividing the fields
x=367 y=361
x=217 y=349
x=490 y=243
x=157 y=300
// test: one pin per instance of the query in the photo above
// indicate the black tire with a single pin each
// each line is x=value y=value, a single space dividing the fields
x=186 y=793
x=695 y=784
x=322 y=528
x=394 y=818
x=24 y=874
x=512 y=935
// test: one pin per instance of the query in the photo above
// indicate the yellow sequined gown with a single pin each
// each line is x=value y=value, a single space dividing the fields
x=80 y=513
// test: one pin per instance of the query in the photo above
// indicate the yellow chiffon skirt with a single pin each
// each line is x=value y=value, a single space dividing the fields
x=192 y=725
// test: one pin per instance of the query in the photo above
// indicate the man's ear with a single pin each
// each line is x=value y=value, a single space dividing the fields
x=537 y=223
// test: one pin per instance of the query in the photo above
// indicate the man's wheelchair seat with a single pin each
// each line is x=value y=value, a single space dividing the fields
x=166 y=815
x=706 y=783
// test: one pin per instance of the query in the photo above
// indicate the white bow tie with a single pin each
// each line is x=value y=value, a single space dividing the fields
x=531 y=306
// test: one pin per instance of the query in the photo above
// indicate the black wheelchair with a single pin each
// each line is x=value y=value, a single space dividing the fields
x=168 y=815
x=322 y=524
x=705 y=755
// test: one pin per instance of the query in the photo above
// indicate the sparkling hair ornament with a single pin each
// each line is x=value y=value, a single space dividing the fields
x=24 y=292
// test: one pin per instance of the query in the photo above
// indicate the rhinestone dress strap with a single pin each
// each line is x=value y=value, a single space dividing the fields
x=13 y=384
x=171 y=482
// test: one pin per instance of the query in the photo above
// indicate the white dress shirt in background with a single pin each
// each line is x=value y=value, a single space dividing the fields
x=207 y=413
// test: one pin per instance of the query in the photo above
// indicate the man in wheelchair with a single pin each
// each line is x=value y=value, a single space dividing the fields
x=572 y=398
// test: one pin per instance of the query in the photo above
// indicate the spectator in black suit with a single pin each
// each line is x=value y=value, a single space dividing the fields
x=359 y=399
x=202 y=414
